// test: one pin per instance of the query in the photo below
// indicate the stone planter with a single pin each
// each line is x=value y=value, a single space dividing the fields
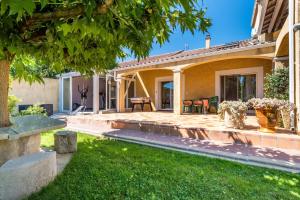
x=267 y=119
x=231 y=122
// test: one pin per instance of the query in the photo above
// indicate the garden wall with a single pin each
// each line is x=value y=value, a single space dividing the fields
x=37 y=93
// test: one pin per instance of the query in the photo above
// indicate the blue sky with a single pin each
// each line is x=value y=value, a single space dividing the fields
x=231 y=21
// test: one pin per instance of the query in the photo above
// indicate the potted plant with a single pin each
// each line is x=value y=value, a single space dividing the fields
x=233 y=113
x=266 y=111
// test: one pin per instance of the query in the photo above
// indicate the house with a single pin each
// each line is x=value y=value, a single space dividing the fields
x=231 y=71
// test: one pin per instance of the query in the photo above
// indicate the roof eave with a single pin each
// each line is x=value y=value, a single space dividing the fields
x=200 y=56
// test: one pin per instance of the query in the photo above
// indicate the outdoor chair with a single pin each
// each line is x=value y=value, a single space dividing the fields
x=198 y=106
x=205 y=105
x=187 y=106
x=213 y=104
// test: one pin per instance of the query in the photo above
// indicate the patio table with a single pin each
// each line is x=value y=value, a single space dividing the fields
x=142 y=101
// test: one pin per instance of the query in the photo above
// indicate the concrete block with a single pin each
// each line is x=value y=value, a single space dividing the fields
x=65 y=142
x=27 y=174
x=11 y=149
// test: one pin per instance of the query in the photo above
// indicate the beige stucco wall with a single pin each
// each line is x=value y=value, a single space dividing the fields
x=282 y=42
x=200 y=80
x=148 y=78
x=46 y=93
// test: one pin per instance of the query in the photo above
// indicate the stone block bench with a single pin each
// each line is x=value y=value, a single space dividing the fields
x=26 y=174
x=24 y=168
x=23 y=137
x=65 y=142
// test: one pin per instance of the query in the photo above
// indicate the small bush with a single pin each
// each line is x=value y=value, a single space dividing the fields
x=277 y=84
x=12 y=104
x=34 y=110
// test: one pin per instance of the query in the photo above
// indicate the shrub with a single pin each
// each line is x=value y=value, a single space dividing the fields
x=12 y=104
x=265 y=103
x=34 y=110
x=277 y=84
x=236 y=110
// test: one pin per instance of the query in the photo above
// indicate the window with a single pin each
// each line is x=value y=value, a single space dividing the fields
x=237 y=87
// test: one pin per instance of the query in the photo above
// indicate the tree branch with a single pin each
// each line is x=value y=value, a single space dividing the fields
x=65 y=13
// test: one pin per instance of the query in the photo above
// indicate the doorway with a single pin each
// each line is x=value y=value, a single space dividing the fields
x=164 y=93
x=167 y=89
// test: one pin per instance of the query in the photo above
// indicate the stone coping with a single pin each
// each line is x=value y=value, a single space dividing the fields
x=29 y=125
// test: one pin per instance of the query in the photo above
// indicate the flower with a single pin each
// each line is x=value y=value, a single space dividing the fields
x=237 y=111
x=265 y=103
x=288 y=106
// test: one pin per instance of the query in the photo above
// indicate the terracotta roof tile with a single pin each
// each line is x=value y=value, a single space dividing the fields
x=170 y=57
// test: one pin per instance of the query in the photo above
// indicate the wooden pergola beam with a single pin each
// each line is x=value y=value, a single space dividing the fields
x=278 y=22
x=127 y=88
x=275 y=15
x=263 y=14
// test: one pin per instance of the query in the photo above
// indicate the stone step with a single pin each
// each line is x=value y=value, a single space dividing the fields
x=234 y=136
x=251 y=137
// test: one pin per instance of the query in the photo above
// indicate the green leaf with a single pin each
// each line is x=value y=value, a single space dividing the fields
x=4 y=6
x=66 y=28
x=29 y=6
x=43 y=3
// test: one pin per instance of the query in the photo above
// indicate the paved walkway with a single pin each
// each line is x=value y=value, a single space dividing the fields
x=288 y=160
x=62 y=160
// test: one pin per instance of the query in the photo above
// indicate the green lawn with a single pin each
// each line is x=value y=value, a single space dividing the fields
x=108 y=169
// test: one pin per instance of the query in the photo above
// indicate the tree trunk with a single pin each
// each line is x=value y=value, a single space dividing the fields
x=4 y=85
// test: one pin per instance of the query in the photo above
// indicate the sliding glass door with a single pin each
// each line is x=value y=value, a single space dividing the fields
x=66 y=94
x=238 y=87
x=167 y=95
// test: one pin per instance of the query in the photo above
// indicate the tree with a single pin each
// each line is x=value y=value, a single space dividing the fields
x=87 y=35
x=32 y=70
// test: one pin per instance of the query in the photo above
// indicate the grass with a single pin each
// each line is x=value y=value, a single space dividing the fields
x=108 y=169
